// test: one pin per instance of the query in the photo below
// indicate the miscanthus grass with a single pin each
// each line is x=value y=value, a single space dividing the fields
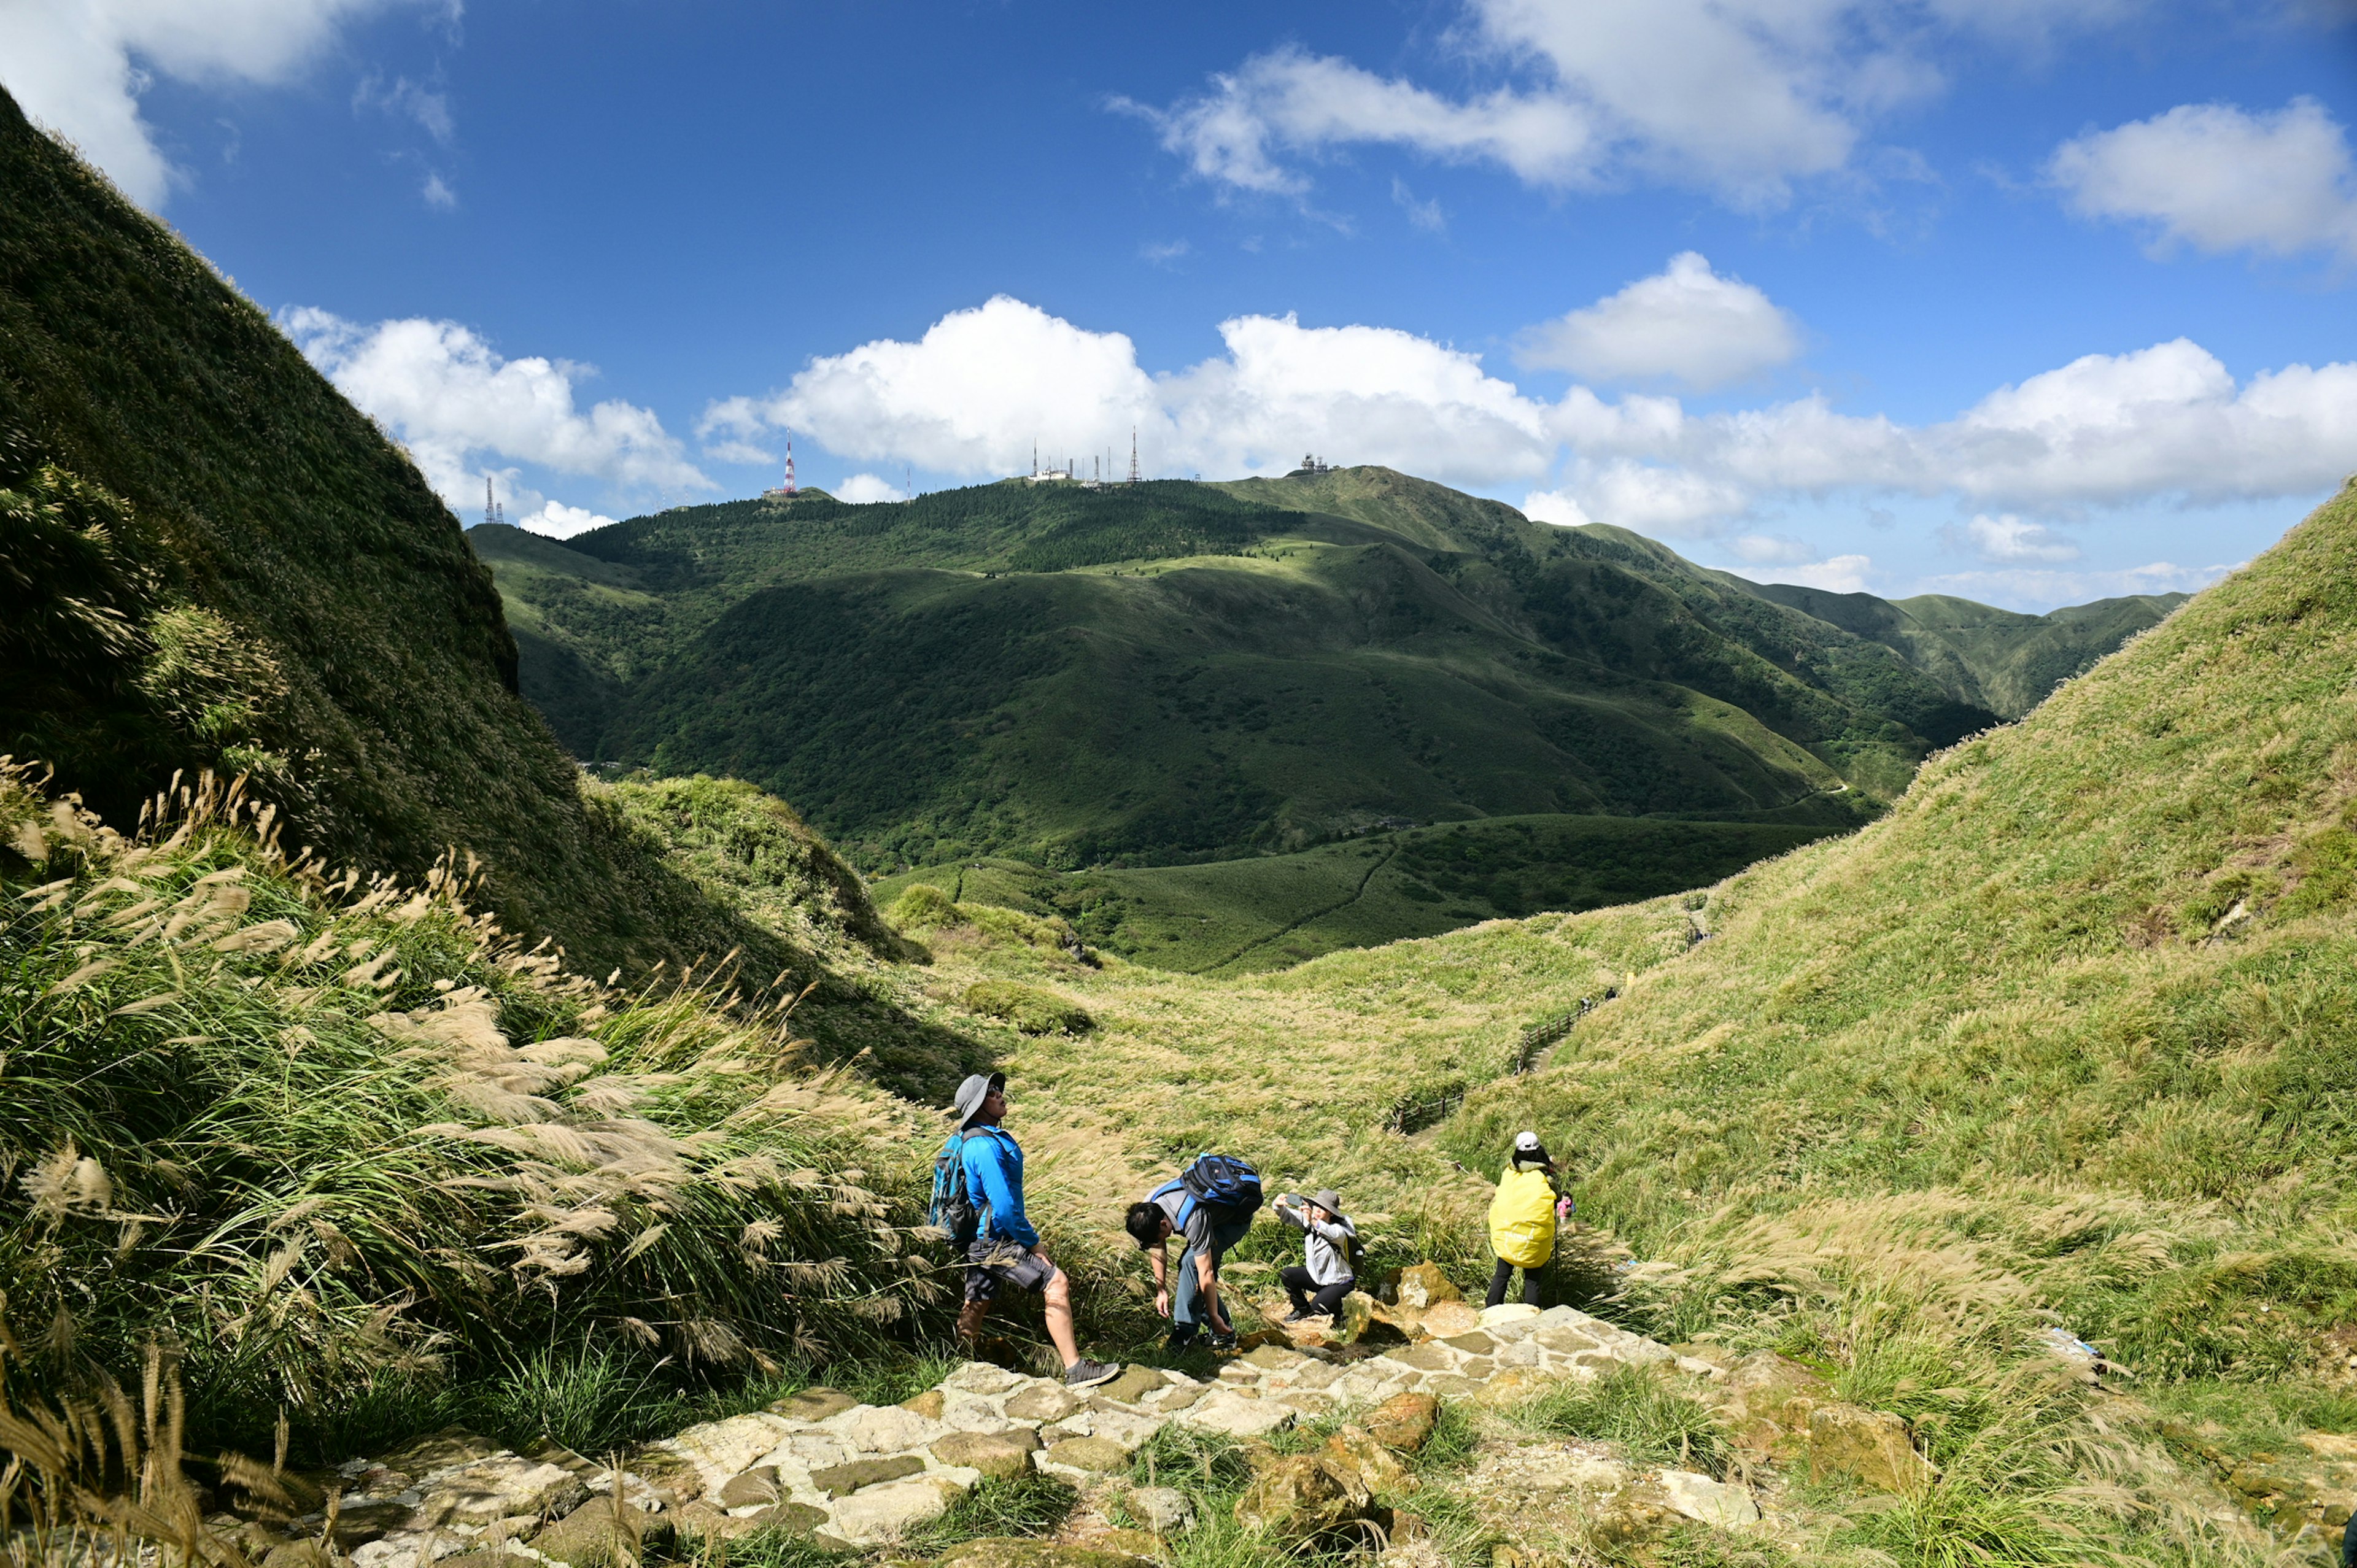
x=314 y=1132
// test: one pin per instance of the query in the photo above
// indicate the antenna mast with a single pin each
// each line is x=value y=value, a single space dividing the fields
x=1133 y=454
x=790 y=465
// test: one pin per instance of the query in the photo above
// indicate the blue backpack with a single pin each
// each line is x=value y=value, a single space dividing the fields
x=1222 y=1181
x=953 y=1209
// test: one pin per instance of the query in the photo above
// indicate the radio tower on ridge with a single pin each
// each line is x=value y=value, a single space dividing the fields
x=492 y=510
x=790 y=465
x=1133 y=454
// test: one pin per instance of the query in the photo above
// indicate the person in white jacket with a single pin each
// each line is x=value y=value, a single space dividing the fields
x=1325 y=1274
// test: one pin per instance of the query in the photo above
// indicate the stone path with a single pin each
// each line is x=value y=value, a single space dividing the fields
x=856 y=1474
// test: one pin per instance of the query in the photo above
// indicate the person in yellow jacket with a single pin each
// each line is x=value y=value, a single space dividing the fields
x=1522 y=1218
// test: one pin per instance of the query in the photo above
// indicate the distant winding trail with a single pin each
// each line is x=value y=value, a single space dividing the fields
x=1356 y=894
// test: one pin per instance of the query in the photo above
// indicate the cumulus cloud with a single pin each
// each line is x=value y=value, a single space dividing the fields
x=1684 y=324
x=2103 y=431
x=866 y=489
x=2167 y=424
x=452 y=400
x=975 y=393
x=1841 y=575
x=79 y=66
x=437 y=192
x=2215 y=177
x=1774 y=549
x=2007 y=539
x=558 y=520
x=1740 y=97
x=410 y=101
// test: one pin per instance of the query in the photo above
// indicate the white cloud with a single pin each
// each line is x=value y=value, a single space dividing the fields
x=1425 y=215
x=2003 y=541
x=2036 y=590
x=1163 y=254
x=981 y=386
x=1740 y=97
x=1289 y=101
x=1841 y=575
x=558 y=520
x=407 y=98
x=79 y=66
x=866 y=489
x=1774 y=549
x=2103 y=431
x=452 y=399
x=1686 y=324
x=2212 y=177
x=437 y=192
x=2165 y=425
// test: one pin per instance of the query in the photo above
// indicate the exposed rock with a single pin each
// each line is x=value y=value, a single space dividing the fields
x=927 y=1404
x=981 y=1378
x=301 y=1554
x=1474 y=1343
x=841 y=1481
x=1229 y=1411
x=705 y=1522
x=1350 y=1318
x=1166 y=1510
x=1421 y=1552
x=502 y=1487
x=601 y=1535
x=1308 y=1401
x=1043 y=1401
x=1355 y=1449
x=1017 y=1552
x=886 y=1428
x=1004 y=1455
x=1133 y=1384
x=1507 y=1312
x=1403 y=1421
x=1444 y=1318
x=1299 y=1497
x=759 y=1484
x=1089 y=1455
x=1869 y=1445
x=1421 y=1285
x=886 y=1513
x=1432 y=1357
x=813 y=1404
x=1712 y=1502
x=1562 y=1338
x=1275 y=1358
x=719 y=1449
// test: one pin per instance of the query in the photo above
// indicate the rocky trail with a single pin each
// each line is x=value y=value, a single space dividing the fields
x=859 y=1478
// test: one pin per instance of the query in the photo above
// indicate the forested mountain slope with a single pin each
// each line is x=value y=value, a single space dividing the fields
x=1176 y=672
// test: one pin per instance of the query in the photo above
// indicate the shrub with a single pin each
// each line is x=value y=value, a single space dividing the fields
x=1033 y=1011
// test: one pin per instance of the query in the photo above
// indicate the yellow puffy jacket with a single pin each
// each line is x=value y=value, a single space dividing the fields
x=1522 y=1219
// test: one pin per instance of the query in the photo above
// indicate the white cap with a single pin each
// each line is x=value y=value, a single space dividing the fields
x=1526 y=1142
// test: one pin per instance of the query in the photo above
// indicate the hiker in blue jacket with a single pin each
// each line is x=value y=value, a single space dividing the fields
x=1208 y=1226
x=1005 y=1254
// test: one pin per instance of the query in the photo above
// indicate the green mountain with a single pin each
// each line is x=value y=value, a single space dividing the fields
x=1173 y=672
x=2002 y=660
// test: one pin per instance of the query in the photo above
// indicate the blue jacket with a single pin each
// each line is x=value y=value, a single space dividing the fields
x=994 y=1175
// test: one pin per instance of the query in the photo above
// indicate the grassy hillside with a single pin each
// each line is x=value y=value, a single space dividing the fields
x=359 y=1157
x=213 y=561
x=1241 y=917
x=2064 y=1039
x=2004 y=661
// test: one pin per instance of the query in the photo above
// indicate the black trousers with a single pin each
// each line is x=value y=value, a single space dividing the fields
x=1309 y=1297
x=1504 y=1275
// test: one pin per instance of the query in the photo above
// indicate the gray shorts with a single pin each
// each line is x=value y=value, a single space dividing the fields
x=993 y=1266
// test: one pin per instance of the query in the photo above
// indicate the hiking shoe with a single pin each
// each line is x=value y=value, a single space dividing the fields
x=1224 y=1341
x=1086 y=1374
x=1299 y=1316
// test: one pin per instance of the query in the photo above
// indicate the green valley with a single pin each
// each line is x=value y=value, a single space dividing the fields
x=1090 y=678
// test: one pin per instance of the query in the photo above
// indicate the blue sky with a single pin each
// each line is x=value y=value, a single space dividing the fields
x=2029 y=301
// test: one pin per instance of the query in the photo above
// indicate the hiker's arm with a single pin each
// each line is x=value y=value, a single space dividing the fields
x=1293 y=1210
x=1160 y=1257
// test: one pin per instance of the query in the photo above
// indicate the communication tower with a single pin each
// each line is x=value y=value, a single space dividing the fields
x=1133 y=454
x=492 y=510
